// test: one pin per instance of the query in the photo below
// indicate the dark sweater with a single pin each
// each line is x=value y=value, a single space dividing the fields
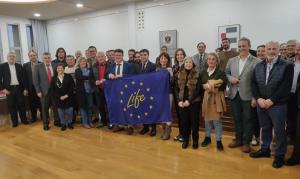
x=59 y=89
x=218 y=74
x=279 y=82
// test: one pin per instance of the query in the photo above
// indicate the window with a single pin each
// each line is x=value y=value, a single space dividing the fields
x=30 y=41
x=1 y=50
x=14 y=41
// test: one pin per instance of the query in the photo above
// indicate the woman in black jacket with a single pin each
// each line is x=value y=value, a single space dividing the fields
x=62 y=87
x=85 y=84
x=189 y=100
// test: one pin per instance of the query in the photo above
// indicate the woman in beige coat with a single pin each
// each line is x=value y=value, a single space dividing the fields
x=214 y=83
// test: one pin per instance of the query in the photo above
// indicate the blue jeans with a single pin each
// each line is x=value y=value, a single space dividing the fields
x=86 y=113
x=65 y=116
x=218 y=128
x=274 y=117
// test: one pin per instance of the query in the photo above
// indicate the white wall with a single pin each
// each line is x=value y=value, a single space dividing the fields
x=4 y=21
x=195 y=20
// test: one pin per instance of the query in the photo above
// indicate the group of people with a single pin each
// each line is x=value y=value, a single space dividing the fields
x=262 y=86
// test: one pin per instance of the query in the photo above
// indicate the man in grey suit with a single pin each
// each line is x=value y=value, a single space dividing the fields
x=239 y=71
x=34 y=101
x=200 y=58
x=42 y=76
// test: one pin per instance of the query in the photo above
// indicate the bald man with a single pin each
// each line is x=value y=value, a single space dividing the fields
x=271 y=85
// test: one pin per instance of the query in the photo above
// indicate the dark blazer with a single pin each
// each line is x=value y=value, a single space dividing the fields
x=40 y=79
x=150 y=67
x=5 y=77
x=29 y=75
x=80 y=90
x=279 y=81
x=59 y=89
x=128 y=69
x=96 y=72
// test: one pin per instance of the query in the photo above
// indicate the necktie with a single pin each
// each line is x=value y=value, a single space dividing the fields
x=118 y=69
x=144 y=66
x=49 y=74
x=201 y=56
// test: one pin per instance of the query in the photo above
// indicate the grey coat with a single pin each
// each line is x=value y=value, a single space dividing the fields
x=200 y=65
x=245 y=78
x=40 y=79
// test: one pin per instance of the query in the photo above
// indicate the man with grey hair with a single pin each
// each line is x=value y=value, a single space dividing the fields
x=283 y=51
x=271 y=85
x=239 y=71
x=12 y=82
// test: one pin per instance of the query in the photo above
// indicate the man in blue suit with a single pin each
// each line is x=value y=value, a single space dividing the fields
x=147 y=67
x=117 y=70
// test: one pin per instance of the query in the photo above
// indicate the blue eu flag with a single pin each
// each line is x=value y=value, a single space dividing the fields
x=139 y=99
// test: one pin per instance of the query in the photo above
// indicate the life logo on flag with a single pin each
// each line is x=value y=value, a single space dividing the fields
x=134 y=105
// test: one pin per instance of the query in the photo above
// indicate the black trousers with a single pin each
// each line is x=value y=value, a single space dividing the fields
x=292 y=116
x=256 y=126
x=101 y=104
x=16 y=105
x=46 y=102
x=178 y=114
x=34 y=103
x=190 y=121
x=296 y=152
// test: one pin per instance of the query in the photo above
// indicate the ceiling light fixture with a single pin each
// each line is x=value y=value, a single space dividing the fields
x=37 y=15
x=79 y=5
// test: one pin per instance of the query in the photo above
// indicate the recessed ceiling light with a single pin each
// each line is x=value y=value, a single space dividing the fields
x=37 y=15
x=79 y=5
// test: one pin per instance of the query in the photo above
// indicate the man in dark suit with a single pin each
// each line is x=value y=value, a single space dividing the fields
x=295 y=158
x=99 y=68
x=42 y=76
x=12 y=83
x=34 y=101
x=271 y=84
x=146 y=67
x=117 y=70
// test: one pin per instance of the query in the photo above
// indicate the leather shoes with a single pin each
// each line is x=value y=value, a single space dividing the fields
x=246 y=148
x=185 y=145
x=278 y=162
x=153 y=132
x=63 y=128
x=292 y=162
x=25 y=122
x=116 y=128
x=220 y=145
x=261 y=153
x=195 y=144
x=15 y=125
x=46 y=128
x=70 y=126
x=130 y=130
x=206 y=142
x=144 y=130
x=235 y=143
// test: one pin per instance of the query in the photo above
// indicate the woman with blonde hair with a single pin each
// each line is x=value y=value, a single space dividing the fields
x=85 y=84
x=189 y=101
x=214 y=84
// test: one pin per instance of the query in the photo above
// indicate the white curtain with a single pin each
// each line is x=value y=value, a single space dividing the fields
x=39 y=28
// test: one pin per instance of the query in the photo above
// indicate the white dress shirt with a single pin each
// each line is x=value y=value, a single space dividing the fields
x=13 y=75
x=242 y=63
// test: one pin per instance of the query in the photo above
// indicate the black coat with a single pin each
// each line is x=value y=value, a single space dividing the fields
x=59 y=89
x=80 y=90
x=5 y=77
x=279 y=81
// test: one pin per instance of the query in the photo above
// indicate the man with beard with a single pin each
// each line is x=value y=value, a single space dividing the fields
x=226 y=53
